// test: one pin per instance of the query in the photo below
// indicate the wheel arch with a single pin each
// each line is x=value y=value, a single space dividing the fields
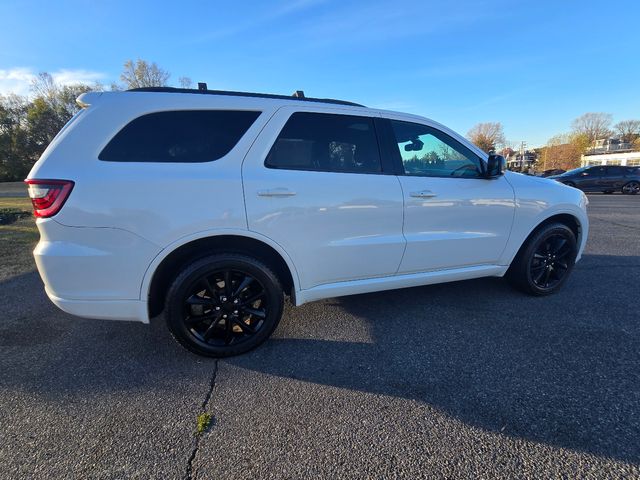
x=165 y=266
x=570 y=220
x=628 y=182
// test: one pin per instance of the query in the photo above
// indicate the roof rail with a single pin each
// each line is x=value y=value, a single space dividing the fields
x=298 y=96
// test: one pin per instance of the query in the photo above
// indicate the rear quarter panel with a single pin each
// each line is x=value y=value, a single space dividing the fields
x=160 y=202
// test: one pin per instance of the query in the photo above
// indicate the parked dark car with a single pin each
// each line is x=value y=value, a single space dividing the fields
x=603 y=178
x=552 y=171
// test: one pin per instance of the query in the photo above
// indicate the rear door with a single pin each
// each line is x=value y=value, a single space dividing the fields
x=612 y=179
x=315 y=183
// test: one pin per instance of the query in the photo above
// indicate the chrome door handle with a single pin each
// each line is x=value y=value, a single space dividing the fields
x=276 y=192
x=423 y=194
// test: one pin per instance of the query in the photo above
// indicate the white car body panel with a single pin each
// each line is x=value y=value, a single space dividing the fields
x=341 y=234
x=398 y=281
x=538 y=199
x=337 y=226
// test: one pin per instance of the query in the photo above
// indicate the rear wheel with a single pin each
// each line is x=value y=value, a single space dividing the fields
x=224 y=305
x=545 y=261
x=631 y=188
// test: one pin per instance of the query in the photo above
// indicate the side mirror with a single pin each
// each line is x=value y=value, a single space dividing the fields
x=496 y=165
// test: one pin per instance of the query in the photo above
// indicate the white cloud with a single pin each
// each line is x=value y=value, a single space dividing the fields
x=70 y=77
x=18 y=80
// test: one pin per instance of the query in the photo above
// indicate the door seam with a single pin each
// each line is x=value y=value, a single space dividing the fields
x=402 y=231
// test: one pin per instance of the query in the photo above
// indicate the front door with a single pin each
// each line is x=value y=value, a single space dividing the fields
x=454 y=217
x=315 y=184
x=590 y=179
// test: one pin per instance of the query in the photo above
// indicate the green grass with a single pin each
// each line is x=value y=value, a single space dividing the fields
x=17 y=239
x=203 y=422
x=16 y=203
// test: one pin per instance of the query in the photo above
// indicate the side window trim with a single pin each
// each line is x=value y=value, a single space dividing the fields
x=391 y=146
x=388 y=150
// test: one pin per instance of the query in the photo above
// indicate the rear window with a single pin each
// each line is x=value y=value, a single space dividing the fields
x=179 y=136
x=326 y=143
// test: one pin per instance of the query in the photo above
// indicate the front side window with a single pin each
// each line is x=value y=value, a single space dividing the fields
x=327 y=143
x=182 y=136
x=427 y=152
x=594 y=172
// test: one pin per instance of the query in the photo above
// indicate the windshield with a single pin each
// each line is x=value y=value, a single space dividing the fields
x=575 y=170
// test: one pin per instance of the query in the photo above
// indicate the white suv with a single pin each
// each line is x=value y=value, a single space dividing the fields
x=210 y=206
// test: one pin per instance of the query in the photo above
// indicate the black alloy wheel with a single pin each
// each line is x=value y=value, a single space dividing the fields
x=224 y=305
x=550 y=261
x=631 y=188
x=544 y=262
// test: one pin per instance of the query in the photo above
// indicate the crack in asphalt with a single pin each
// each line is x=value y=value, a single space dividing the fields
x=189 y=473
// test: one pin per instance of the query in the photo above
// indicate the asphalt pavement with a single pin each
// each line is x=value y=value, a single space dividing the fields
x=462 y=380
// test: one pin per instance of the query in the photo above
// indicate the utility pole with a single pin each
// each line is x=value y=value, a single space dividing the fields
x=523 y=146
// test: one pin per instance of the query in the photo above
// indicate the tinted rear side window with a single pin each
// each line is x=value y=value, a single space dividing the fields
x=179 y=136
x=326 y=143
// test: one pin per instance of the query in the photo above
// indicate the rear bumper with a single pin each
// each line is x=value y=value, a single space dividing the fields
x=94 y=272
x=135 y=310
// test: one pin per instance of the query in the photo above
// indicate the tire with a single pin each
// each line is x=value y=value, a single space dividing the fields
x=549 y=254
x=570 y=184
x=631 y=188
x=224 y=305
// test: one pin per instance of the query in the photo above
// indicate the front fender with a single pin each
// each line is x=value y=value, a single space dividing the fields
x=537 y=200
x=527 y=221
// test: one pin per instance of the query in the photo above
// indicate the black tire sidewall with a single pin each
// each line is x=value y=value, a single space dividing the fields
x=193 y=272
x=626 y=185
x=521 y=272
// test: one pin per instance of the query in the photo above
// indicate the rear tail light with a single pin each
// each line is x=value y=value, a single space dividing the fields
x=48 y=196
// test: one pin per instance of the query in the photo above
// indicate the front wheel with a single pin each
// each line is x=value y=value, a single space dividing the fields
x=631 y=188
x=224 y=305
x=543 y=264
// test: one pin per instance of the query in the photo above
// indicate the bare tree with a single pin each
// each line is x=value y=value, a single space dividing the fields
x=143 y=74
x=44 y=86
x=488 y=136
x=594 y=125
x=185 y=82
x=629 y=130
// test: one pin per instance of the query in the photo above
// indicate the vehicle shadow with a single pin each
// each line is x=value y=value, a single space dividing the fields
x=562 y=370
x=54 y=355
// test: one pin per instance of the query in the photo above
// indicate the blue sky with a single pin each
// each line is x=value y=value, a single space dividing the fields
x=532 y=65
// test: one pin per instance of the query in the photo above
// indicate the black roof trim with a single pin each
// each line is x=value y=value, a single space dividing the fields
x=242 y=94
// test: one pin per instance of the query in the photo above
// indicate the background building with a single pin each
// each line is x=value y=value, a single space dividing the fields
x=611 y=151
x=518 y=162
